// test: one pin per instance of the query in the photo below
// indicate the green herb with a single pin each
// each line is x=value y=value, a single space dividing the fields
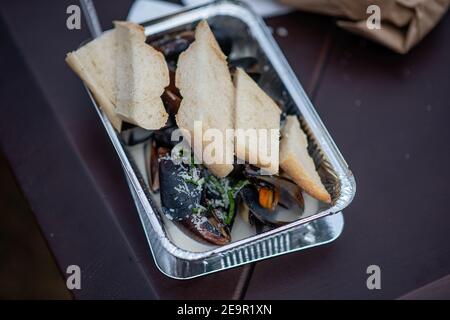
x=216 y=183
x=231 y=207
x=191 y=181
x=231 y=199
x=227 y=193
x=198 y=210
x=240 y=185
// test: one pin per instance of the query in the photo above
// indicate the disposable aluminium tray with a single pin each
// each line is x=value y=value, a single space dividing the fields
x=250 y=37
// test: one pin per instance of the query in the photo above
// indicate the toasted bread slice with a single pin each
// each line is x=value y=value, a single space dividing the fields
x=125 y=75
x=297 y=163
x=205 y=84
x=142 y=74
x=257 y=113
x=94 y=63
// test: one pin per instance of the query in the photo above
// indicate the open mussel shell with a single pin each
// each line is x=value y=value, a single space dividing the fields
x=181 y=200
x=248 y=217
x=251 y=199
x=290 y=197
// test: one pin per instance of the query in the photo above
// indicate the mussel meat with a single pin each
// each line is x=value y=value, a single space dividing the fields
x=266 y=197
x=171 y=102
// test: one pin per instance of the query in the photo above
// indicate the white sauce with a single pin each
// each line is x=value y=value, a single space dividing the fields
x=241 y=229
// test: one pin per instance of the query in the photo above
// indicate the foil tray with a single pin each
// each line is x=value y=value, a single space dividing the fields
x=251 y=37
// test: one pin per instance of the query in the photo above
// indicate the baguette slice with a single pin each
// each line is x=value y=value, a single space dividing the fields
x=205 y=84
x=297 y=163
x=125 y=75
x=94 y=63
x=142 y=75
x=257 y=112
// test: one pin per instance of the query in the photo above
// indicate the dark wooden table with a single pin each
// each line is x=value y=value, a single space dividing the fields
x=387 y=113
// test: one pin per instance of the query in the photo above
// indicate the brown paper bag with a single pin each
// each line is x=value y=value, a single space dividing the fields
x=403 y=22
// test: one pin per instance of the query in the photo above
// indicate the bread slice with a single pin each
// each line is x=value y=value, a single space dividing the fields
x=94 y=63
x=297 y=163
x=256 y=111
x=205 y=84
x=125 y=75
x=142 y=74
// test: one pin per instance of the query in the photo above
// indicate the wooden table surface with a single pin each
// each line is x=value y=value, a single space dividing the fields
x=387 y=113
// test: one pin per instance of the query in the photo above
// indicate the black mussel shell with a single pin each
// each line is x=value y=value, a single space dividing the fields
x=208 y=228
x=290 y=195
x=224 y=41
x=163 y=137
x=178 y=197
x=134 y=135
x=250 y=197
x=173 y=45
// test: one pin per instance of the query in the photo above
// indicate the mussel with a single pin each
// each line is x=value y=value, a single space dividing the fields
x=163 y=137
x=173 y=44
x=266 y=197
x=181 y=189
x=208 y=227
x=153 y=152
